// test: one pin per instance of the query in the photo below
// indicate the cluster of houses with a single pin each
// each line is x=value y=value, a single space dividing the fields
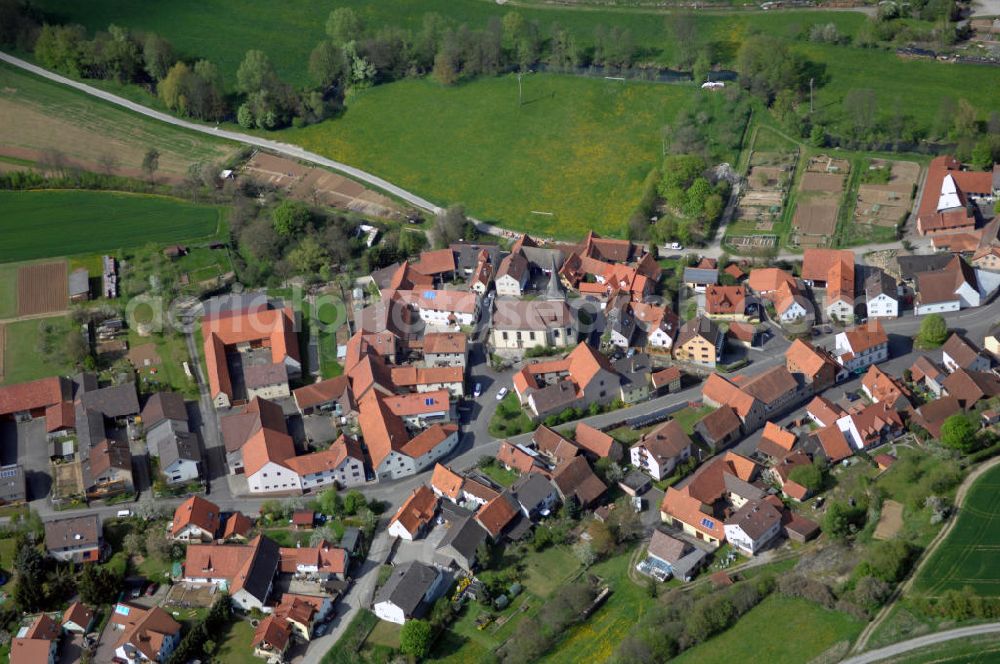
x=473 y=510
x=293 y=587
x=94 y=433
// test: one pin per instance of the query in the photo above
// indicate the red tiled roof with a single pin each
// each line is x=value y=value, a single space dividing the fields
x=834 y=443
x=428 y=439
x=495 y=515
x=328 y=459
x=435 y=262
x=199 y=512
x=264 y=446
x=274 y=328
x=594 y=440
x=446 y=481
x=33 y=395
x=417 y=511
x=321 y=392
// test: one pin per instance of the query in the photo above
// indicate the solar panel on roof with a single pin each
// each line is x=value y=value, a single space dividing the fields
x=4 y=474
x=708 y=523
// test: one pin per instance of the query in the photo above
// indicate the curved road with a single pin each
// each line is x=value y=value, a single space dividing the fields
x=904 y=647
x=283 y=148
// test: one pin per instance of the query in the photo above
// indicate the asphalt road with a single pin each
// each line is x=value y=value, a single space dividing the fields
x=903 y=647
x=282 y=148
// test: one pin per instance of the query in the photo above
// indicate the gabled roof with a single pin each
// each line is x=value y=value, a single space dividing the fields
x=924 y=368
x=575 y=478
x=932 y=414
x=768 y=279
x=239 y=427
x=551 y=443
x=322 y=392
x=514 y=457
x=824 y=410
x=803 y=356
x=771 y=385
x=594 y=440
x=34 y=395
x=445 y=342
x=447 y=481
x=883 y=388
x=666 y=441
x=407 y=586
x=719 y=424
x=267 y=446
x=78 y=531
x=513 y=265
x=147 y=630
x=196 y=511
x=497 y=514
x=417 y=511
x=665 y=547
x=383 y=431
x=725 y=299
x=865 y=337
x=439 y=261
x=960 y=350
x=164 y=406
x=699 y=327
x=275 y=327
x=834 y=443
x=343 y=448
x=755 y=518
x=79 y=614
x=274 y=632
x=779 y=436
x=237 y=525
x=969 y=387
x=721 y=391
x=538 y=315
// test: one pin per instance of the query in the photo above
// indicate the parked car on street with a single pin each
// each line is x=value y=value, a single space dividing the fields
x=477 y=390
x=501 y=394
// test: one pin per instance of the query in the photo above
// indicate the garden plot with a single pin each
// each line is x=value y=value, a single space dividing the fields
x=817 y=208
x=42 y=288
x=314 y=184
x=886 y=203
x=890 y=522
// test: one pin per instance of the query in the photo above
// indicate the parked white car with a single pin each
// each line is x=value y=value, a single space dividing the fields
x=501 y=394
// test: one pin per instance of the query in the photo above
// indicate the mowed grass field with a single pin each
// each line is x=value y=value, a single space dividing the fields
x=779 y=630
x=577 y=148
x=224 y=31
x=38 y=224
x=968 y=556
x=22 y=360
x=39 y=115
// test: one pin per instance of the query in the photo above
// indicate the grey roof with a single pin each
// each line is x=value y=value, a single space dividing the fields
x=350 y=539
x=235 y=302
x=264 y=375
x=910 y=266
x=701 y=275
x=635 y=369
x=12 y=488
x=262 y=569
x=556 y=396
x=182 y=445
x=877 y=283
x=532 y=490
x=383 y=277
x=701 y=326
x=73 y=532
x=635 y=480
x=79 y=282
x=544 y=259
x=620 y=318
x=89 y=427
x=462 y=540
x=407 y=586
x=743 y=489
x=113 y=401
x=467 y=254
x=164 y=406
x=531 y=314
x=688 y=563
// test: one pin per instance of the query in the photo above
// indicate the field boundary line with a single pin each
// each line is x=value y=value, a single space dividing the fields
x=963 y=490
x=286 y=149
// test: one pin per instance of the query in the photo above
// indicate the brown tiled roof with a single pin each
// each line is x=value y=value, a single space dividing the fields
x=825 y=410
x=666 y=441
x=512 y=456
x=273 y=632
x=513 y=265
x=445 y=342
x=882 y=387
x=497 y=514
x=721 y=391
x=575 y=478
x=60 y=415
x=550 y=443
x=803 y=356
x=418 y=510
x=867 y=336
x=266 y=446
x=148 y=630
x=164 y=406
x=720 y=423
x=767 y=279
x=769 y=386
x=665 y=547
x=74 y=531
x=199 y=512
x=834 y=444
x=537 y=315
x=725 y=299
x=78 y=613
x=698 y=327
x=428 y=439
x=960 y=350
x=969 y=387
x=923 y=367
x=33 y=395
x=780 y=436
x=742 y=331
x=665 y=376
x=594 y=440
x=383 y=431
x=237 y=525
x=932 y=414
x=435 y=262
x=321 y=392
x=328 y=459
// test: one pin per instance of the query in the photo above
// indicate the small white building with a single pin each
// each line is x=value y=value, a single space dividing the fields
x=512 y=276
x=753 y=526
x=860 y=347
x=882 y=296
x=408 y=593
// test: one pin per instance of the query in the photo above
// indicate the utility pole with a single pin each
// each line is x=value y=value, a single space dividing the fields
x=810 y=96
x=520 y=95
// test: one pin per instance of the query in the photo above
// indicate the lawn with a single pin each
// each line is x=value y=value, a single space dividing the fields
x=8 y=291
x=577 y=150
x=510 y=419
x=8 y=549
x=38 y=224
x=499 y=474
x=688 y=417
x=235 y=648
x=806 y=631
x=40 y=115
x=967 y=557
x=288 y=537
x=345 y=651
x=601 y=634
x=22 y=359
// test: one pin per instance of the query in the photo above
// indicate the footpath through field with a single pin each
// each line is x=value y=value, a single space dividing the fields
x=903 y=647
x=928 y=553
x=275 y=146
